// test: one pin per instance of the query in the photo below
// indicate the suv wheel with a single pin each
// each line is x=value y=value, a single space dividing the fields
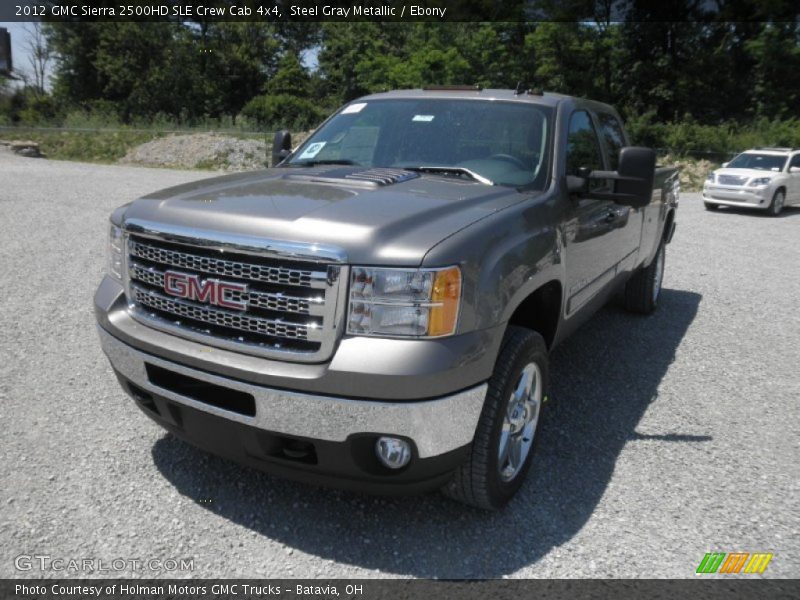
x=506 y=436
x=644 y=288
x=776 y=206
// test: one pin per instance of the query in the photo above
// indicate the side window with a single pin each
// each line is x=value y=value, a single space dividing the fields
x=795 y=161
x=611 y=130
x=583 y=149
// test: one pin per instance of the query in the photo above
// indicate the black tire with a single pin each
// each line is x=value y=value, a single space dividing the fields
x=478 y=482
x=644 y=289
x=778 y=200
x=711 y=206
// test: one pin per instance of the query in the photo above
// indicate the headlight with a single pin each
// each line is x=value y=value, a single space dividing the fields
x=115 y=244
x=404 y=302
x=760 y=181
x=710 y=177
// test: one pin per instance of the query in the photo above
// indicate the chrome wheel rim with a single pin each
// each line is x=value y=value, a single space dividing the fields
x=659 y=274
x=519 y=422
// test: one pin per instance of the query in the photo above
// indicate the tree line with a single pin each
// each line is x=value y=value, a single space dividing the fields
x=662 y=75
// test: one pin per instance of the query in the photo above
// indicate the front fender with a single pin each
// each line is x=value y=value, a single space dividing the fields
x=504 y=258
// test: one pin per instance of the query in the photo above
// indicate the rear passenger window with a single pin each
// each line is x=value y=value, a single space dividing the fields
x=583 y=149
x=612 y=132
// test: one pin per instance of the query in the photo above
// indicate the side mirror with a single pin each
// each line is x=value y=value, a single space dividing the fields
x=725 y=165
x=794 y=169
x=281 y=146
x=637 y=172
x=633 y=180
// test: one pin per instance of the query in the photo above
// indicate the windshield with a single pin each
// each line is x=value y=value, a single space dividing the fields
x=504 y=143
x=762 y=162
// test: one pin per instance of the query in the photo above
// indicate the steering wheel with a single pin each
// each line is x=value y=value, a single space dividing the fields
x=510 y=159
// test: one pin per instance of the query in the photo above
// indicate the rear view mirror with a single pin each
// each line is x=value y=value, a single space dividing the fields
x=725 y=165
x=637 y=171
x=281 y=146
x=632 y=181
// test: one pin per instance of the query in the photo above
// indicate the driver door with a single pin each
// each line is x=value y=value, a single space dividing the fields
x=595 y=229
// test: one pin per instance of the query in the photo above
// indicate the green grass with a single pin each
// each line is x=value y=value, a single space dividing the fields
x=102 y=146
x=84 y=146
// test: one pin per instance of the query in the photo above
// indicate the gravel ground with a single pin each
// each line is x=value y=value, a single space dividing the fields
x=668 y=436
x=200 y=150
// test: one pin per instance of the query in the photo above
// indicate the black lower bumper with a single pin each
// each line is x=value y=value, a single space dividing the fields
x=351 y=464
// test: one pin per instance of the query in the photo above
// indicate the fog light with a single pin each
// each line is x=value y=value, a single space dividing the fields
x=392 y=452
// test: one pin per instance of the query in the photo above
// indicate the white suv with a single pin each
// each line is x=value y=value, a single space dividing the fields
x=766 y=178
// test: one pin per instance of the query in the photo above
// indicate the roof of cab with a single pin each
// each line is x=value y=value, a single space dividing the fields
x=550 y=99
x=465 y=93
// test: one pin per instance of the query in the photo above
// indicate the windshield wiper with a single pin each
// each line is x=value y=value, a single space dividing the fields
x=458 y=170
x=314 y=163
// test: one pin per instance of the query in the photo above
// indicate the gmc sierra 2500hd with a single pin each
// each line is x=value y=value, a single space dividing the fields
x=377 y=311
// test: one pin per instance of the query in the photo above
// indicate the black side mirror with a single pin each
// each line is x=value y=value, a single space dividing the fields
x=281 y=146
x=637 y=172
x=633 y=180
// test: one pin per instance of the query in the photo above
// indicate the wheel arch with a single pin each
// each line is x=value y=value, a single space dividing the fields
x=541 y=311
x=665 y=234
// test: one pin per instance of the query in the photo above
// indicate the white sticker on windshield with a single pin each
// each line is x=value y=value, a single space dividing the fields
x=354 y=108
x=312 y=150
x=423 y=118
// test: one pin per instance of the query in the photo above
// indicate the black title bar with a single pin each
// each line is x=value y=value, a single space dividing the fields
x=395 y=589
x=597 y=11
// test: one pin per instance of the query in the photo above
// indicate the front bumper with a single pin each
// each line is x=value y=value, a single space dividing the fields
x=746 y=197
x=324 y=439
x=361 y=367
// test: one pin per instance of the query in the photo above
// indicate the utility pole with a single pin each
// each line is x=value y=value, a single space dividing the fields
x=6 y=65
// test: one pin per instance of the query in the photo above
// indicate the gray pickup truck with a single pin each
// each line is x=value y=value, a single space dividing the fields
x=376 y=312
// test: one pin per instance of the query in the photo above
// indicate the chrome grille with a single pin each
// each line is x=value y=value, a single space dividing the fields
x=224 y=318
x=731 y=180
x=293 y=307
x=225 y=267
x=311 y=305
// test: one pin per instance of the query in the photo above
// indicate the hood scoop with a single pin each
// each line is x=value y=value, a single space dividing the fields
x=350 y=176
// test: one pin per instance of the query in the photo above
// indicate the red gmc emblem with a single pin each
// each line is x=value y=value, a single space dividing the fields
x=210 y=291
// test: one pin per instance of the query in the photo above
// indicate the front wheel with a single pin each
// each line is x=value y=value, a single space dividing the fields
x=644 y=289
x=506 y=436
x=778 y=200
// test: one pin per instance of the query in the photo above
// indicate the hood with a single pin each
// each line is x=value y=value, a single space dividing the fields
x=388 y=217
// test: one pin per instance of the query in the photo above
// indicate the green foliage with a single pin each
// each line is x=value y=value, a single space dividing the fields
x=566 y=58
x=38 y=109
x=283 y=111
x=143 y=69
x=716 y=142
x=686 y=84
x=776 y=53
x=27 y=106
x=290 y=79
x=286 y=103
